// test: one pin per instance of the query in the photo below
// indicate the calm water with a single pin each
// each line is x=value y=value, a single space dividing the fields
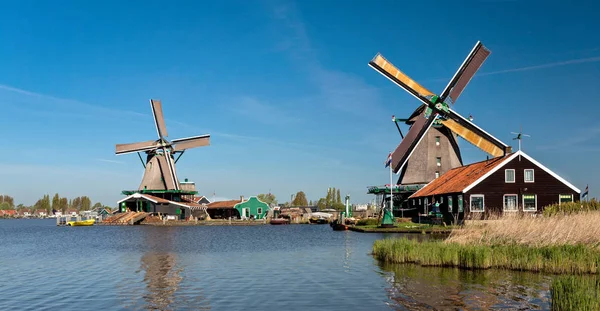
x=294 y=267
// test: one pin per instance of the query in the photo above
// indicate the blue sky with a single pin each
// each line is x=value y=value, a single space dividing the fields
x=283 y=88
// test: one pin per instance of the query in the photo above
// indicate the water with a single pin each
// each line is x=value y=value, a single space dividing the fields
x=293 y=267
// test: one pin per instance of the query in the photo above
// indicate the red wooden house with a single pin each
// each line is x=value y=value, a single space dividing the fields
x=514 y=182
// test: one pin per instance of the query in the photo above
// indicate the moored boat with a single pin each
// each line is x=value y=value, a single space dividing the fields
x=87 y=222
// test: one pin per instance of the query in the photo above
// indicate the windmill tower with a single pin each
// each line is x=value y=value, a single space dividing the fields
x=160 y=175
x=430 y=148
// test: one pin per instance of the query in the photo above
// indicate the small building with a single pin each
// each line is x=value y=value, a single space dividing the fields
x=138 y=202
x=201 y=200
x=223 y=209
x=511 y=183
x=252 y=208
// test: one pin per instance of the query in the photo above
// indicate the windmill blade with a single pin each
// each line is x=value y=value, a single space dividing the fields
x=190 y=142
x=465 y=72
x=387 y=69
x=410 y=142
x=168 y=172
x=135 y=147
x=159 y=119
x=475 y=135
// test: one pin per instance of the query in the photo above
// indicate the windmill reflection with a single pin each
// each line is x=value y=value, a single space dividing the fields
x=163 y=275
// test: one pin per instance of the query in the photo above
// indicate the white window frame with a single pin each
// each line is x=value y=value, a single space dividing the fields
x=438 y=163
x=450 y=207
x=419 y=201
x=460 y=201
x=532 y=175
x=437 y=140
x=514 y=175
x=516 y=201
x=559 y=202
x=523 y=202
x=425 y=203
x=414 y=201
x=437 y=174
x=259 y=210
x=441 y=199
x=471 y=202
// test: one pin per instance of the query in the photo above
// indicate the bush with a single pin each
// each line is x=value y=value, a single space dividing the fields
x=572 y=208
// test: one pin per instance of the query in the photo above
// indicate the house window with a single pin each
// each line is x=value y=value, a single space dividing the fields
x=414 y=202
x=437 y=140
x=460 y=204
x=510 y=202
x=529 y=202
x=441 y=200
x=419 y=201
x=529 y=175
x=565 y=198
x=509 y=175
x=439 y=161
x=259 y=211
x=477 y=204
x=450 y=204
x=426 y=201
x=437 y=174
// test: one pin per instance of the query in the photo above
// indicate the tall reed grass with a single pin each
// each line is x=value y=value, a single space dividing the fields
x=575 y=293
x=524 y=229
x=572 y=208
x=570 y=259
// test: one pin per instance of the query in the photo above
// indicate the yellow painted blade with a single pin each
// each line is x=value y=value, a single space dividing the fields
x=473 y=138
x=391 y=70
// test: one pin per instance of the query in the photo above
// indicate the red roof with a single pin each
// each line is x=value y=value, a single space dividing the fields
x=223 y=204
x=457 y=179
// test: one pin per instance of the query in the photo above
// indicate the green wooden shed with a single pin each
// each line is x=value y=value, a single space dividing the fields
x=252 y=207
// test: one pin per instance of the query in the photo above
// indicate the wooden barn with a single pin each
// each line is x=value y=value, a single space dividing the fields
x=511 y=183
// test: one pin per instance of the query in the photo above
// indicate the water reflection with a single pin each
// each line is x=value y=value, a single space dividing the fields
x=163 y=275
x=419 y=288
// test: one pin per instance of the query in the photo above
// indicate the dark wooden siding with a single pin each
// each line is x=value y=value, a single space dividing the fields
x=449 y=215
x=545 y=186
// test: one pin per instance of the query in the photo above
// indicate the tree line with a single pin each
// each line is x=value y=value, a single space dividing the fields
x=57 y=203
x=332 y=199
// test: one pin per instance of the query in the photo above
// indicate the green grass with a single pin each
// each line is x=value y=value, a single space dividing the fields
x=571 y=259
x=575 y=293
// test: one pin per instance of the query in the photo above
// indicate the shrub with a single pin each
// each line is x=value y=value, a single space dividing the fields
x=368 y=222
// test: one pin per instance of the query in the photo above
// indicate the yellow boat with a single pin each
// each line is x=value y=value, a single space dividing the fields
x=87 y=222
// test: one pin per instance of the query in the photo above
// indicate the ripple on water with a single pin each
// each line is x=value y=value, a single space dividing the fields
x=295 y=267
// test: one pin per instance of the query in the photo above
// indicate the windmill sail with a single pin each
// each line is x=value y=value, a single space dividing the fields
x=475 y=135
x=159 y=119
x=135 y=147
x=465 y=72
x=191 y=142
x=390 y=71
x=411 y=141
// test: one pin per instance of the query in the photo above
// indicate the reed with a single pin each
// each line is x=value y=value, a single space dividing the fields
x=572 y=208
x=575 y=293
x=569 y=259
x=525 y=229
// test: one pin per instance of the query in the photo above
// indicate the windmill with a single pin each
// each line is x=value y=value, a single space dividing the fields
x=160 y=173
x=417 y=158
x=435 y=110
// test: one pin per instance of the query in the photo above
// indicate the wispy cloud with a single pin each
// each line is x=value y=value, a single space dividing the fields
x=261 y=111
x=576 y=141
x=543 y=66
x=110 y=161
x=51 y=103
x=529 y=68
x=339 y=90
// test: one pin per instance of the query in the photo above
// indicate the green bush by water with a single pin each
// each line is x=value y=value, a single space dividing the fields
x=575 y=293
x=571 y=259
x=368 y=222
x=572 y=208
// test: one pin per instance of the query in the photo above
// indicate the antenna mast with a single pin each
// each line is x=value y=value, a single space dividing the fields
x=519 y=137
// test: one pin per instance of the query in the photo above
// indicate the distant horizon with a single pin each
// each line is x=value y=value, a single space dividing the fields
x=283 y=88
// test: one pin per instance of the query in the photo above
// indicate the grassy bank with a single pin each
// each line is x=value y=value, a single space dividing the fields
x=575 y=293
x=403 y=226
x=560 y=244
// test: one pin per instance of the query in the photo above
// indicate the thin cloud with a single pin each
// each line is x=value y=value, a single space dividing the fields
x=550 y=65
x=576 y=141
x=261 y=111
x=69 y=103
x=529 y=68
x=110 y=161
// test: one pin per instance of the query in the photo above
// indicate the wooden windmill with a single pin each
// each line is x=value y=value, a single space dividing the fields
x=160 y=173
x=413 y=159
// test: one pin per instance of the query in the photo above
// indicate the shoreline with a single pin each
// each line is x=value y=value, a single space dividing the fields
x=430 y=230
